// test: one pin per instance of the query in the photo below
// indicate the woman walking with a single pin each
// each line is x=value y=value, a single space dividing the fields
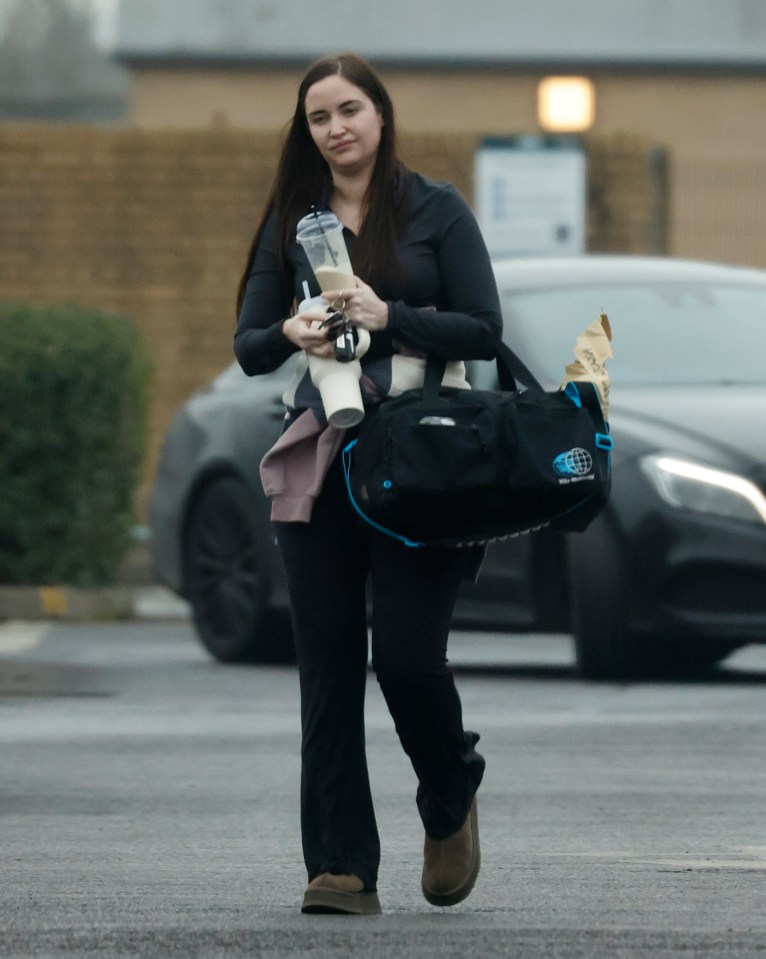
x=423 y=283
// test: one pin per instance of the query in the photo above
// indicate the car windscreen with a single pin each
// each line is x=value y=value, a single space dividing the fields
x=668 y=333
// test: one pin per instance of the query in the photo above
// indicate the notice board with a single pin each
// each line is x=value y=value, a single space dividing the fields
x=531 y=195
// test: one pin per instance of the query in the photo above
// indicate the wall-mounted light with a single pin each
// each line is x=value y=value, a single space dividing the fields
x=565 y=104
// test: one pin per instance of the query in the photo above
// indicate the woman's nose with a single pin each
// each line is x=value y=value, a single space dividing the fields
x=337 y=126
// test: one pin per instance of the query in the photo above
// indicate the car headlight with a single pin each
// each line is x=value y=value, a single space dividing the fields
x=690 y=485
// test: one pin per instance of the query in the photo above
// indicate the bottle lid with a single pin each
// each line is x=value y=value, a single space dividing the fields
x=317 y=224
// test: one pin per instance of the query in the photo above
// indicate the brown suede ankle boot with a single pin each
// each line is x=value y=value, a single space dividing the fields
x=339 y=894
x=451 y=865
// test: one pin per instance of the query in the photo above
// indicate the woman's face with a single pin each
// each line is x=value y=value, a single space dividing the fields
x=345 y=125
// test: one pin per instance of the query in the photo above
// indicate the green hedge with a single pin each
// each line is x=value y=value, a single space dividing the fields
x=73 y=409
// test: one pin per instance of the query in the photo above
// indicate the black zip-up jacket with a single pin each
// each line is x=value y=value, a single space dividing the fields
x=448 y=303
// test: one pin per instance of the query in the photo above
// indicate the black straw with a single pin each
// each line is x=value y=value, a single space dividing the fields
x=330 y=250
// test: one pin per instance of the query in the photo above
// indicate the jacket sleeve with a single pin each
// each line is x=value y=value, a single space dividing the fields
x=259 y=343
x=468 y=319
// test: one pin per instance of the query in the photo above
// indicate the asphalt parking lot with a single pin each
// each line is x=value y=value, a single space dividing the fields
x=149 y=806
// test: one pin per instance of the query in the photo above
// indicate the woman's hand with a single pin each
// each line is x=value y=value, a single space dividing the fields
x=305 y=331
x=364 y=308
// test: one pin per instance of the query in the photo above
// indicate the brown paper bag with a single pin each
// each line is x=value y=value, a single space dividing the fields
x=592 y=350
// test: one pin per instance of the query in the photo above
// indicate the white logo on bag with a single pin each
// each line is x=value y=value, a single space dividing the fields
x=574 y=464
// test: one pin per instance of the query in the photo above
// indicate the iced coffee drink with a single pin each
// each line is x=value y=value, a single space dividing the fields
x=332 y=278
x=321 y=236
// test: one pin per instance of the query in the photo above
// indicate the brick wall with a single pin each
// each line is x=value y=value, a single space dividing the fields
x=155 y=225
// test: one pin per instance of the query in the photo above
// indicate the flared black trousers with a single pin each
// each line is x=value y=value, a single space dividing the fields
x=328 y=562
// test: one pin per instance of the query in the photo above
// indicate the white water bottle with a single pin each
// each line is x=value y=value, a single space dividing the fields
x=338 y=383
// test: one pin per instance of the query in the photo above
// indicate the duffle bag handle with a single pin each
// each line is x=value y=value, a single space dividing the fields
x=510 y=371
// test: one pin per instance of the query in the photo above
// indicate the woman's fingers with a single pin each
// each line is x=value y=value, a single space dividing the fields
x=306 y=332
x=362 y=306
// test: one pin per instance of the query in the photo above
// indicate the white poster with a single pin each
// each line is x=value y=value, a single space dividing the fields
x=531 y=197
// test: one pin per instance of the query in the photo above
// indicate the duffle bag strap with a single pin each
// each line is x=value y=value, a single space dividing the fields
x=510 y=372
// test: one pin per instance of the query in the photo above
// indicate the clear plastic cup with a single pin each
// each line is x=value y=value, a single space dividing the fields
x=321 y=236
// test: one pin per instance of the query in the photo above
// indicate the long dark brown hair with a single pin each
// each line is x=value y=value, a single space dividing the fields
x=302 y=174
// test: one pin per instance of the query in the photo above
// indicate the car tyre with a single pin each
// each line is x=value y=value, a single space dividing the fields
x=605 y=647
x=227 y=580
x=689 y=658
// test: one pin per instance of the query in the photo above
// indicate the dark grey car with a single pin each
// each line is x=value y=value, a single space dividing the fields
x=671 y=575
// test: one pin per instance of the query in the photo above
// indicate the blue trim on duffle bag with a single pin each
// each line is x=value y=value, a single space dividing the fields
x=381 y=529
x=573 y=393
x=603 y=441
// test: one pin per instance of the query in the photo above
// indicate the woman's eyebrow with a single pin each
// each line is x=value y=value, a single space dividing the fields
x=341 y=106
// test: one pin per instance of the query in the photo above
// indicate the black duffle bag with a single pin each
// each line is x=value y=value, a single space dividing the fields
x=452 y=467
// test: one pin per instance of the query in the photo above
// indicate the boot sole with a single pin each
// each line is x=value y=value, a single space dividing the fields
x=453 y=896
x=318 y=901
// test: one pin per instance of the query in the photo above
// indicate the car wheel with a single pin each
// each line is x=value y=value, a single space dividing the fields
x=714 y=653
x=605 y=648
x=226 y=577
x=689 y=657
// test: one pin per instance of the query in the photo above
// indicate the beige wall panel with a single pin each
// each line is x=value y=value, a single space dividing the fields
x=448 y=102
x=719 y=210
x=715 y=130
x=190 y=99
x=696 y=116
x=482 y=103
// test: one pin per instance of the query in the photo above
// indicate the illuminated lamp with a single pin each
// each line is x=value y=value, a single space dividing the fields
x=565 y=104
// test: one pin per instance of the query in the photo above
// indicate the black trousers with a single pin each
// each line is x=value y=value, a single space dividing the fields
x=328 y=562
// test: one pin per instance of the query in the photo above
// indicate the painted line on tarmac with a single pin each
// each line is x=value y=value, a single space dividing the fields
x=748 y=858
x=18 y=636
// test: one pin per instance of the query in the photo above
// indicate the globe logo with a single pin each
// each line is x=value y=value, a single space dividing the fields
x=576 y=462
